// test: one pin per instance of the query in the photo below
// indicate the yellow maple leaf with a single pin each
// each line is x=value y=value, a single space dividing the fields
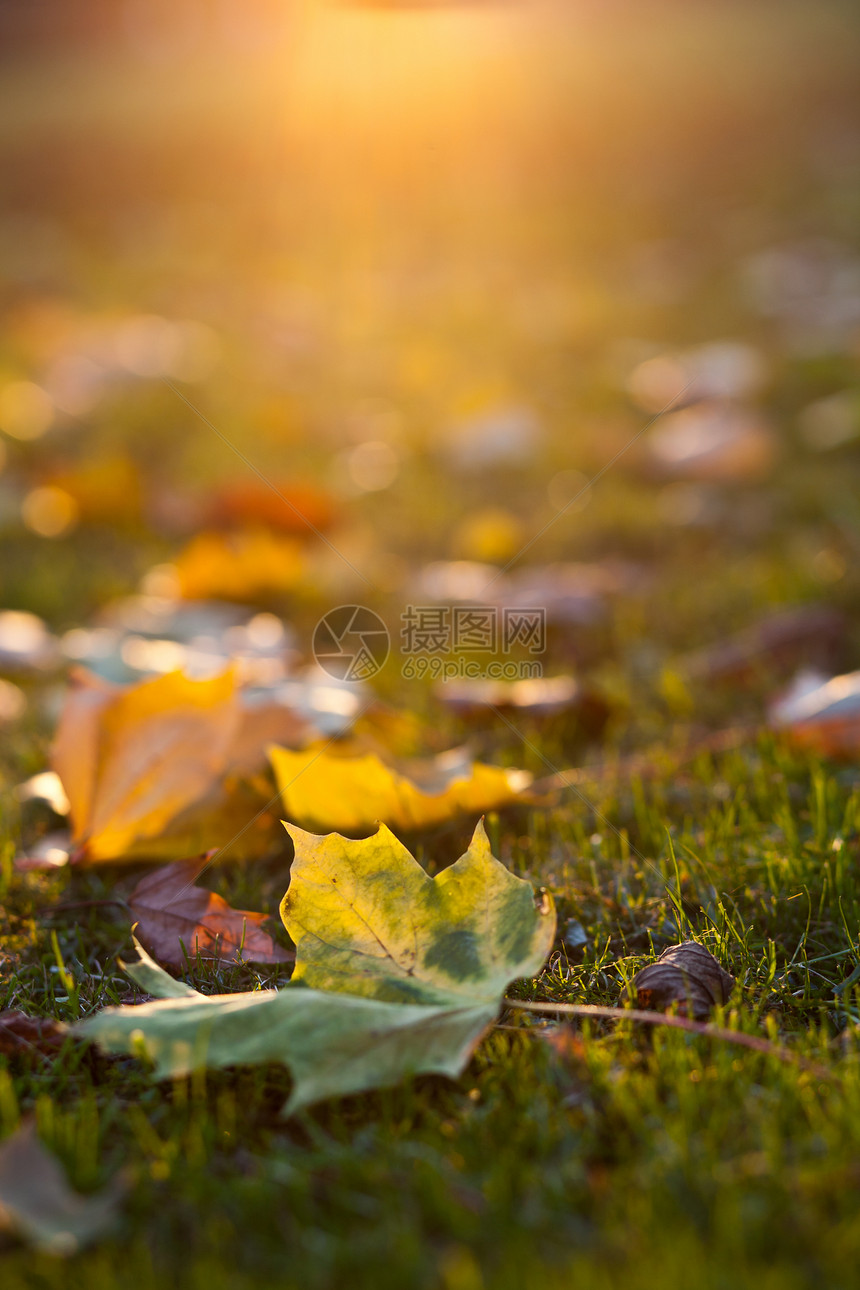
x=351 y=794
x=131 y=759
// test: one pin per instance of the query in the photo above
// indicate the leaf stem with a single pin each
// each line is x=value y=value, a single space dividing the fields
x=755 y=1042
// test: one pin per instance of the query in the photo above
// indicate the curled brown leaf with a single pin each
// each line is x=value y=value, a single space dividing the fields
x=686 y=975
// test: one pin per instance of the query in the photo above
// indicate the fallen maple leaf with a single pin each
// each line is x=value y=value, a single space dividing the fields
x=397 y=973
x=366 y=918
x=162 y=766
x=175 y=916
x=38 y=1204
x=131 y=759
x=686 y=975
x=352 y=794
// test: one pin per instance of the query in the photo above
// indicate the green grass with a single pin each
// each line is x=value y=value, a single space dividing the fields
x=652 y=1151
x=355 y=268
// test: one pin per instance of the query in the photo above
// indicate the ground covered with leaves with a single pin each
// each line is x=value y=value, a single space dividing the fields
x=324 y=324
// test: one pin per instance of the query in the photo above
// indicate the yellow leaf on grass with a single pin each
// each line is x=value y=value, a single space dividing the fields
x=352 y=794
x=242 y=566
x=131 y=759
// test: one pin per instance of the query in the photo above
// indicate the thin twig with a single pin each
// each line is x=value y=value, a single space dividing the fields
x=755 y=1042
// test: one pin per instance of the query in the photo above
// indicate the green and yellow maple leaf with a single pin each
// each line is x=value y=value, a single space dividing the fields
x=367 y=919
x=397 y=974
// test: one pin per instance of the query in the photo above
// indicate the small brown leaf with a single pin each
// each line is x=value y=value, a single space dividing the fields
x=171 y=913
x=21 y=1035
x=687 y=975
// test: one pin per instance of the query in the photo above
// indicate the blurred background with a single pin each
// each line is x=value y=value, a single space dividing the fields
x=428 y=268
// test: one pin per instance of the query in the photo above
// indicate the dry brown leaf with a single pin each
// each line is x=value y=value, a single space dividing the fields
x=22 y=1036
x=686 y=975
x=173 y=913
x=130 y=759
